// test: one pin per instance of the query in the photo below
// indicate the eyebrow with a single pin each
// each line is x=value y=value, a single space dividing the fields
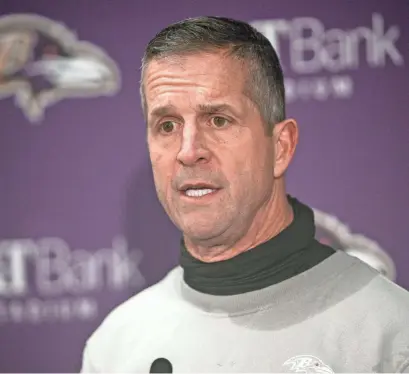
x=215 y=108
x=162 y=111
x=201 y=108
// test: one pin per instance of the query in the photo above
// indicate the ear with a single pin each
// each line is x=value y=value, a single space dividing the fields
x=285 y=138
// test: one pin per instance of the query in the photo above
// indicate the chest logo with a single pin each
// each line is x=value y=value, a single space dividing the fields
x=306 y=364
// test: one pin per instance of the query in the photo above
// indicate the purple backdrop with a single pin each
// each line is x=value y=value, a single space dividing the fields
x=81 y=229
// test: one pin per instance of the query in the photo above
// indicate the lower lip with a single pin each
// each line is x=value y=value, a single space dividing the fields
x=203 y=198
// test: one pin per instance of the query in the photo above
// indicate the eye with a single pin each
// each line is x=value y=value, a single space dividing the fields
x=219 y=122
x=167 y=127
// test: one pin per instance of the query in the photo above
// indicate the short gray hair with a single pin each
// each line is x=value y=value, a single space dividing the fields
x=265 y=85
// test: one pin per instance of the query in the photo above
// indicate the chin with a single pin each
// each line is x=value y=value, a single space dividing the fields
x=196 y=231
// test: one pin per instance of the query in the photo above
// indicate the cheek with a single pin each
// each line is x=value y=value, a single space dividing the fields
x=163 y=160
x=253 y=164
x=238 y=169
x=162 y=173
x=254 y=154
x=157 y=166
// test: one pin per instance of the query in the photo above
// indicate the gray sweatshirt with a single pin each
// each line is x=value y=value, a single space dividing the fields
x=339 y=316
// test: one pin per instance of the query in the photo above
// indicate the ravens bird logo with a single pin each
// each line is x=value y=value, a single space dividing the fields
x=306 y=364
x=42 y=62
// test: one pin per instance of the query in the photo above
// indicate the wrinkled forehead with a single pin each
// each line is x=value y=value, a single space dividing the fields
x=197 y=58
x=216 y=68
x=201 y=78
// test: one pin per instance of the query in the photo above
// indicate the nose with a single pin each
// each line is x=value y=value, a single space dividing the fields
x=193 y=148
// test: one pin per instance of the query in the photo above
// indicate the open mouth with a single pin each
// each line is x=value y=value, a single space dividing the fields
x=198 y=189
x=199 y=192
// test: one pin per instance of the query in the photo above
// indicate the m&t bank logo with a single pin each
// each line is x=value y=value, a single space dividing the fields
x=43 y=280
x=321 y=58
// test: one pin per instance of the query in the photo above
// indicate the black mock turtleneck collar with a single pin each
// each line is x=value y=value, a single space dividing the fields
x=291 y=252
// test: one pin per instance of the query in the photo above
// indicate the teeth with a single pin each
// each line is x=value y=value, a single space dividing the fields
x=198 y=192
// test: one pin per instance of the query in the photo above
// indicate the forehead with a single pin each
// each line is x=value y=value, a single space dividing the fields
x=200 y=77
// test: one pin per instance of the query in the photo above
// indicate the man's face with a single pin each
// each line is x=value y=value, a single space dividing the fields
x=212 y=161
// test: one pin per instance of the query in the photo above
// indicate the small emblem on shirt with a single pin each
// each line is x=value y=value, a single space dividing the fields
x=306 y=364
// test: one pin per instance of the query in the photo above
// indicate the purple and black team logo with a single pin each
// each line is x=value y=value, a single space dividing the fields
x=42 y=62
x=330 y=231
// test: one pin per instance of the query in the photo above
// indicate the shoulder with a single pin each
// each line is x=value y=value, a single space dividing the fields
x=367 y=310
x=364 y=296
x=386 y=295
x=146 y=305
x=130 y=322
x=369 y=290
x=390 y=304
x=381 y=312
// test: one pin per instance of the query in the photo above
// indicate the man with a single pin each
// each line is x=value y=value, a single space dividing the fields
x=255 y=292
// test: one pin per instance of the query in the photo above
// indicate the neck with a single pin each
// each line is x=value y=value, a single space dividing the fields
x=275 y=215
